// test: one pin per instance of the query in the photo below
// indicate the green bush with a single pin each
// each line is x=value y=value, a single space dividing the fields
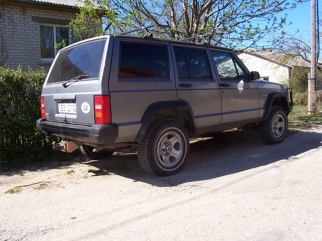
x=299 y=84
x=299 y=79
x=20 y=141
x=300 y=98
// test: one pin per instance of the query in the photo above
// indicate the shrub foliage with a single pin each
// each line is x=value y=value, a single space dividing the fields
x=299 y=83
x=20 y=141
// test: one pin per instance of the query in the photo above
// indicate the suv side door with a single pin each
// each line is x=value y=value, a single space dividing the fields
x=240 y=95
x=196 y=85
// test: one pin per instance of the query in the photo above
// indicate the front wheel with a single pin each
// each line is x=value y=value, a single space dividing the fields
x=164 y=149
x=274 y=128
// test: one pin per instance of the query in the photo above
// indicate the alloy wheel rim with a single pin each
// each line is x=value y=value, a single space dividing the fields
x=278 y=125
x=170 y=149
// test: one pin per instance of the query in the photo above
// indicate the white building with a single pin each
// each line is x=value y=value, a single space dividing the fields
x=274 y=67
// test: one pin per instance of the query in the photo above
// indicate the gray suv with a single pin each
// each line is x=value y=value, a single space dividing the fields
x=112 y=93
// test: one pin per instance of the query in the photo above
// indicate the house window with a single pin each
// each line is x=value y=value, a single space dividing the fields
x=52 y=39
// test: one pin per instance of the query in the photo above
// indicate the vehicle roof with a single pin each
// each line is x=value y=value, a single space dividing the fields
x=142 y=39
x=170 y=41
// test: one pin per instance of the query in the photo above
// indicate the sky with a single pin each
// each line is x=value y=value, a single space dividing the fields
x=300 y=19
x=298 y=24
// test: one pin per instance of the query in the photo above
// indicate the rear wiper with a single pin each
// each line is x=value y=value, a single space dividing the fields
x=75 y=79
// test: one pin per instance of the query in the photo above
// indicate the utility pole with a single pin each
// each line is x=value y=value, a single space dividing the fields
x=312 y=103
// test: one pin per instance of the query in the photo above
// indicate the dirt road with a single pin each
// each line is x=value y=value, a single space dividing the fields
x=232 y=188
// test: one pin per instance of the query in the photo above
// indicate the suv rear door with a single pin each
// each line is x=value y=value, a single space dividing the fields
x=196 y=85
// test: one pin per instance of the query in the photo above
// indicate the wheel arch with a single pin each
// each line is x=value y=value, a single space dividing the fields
x=278 y=99
x=179 y=111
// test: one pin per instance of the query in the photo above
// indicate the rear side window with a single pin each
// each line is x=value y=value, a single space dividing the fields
x=143 y=61
x=227 y=67
x=82 y=60
x=192 y=63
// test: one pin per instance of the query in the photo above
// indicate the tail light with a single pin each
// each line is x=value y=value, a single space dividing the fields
x=102 y=108
x=42 y=107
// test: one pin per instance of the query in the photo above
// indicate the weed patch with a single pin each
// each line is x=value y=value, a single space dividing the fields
x=304 y=122
x=13 y=190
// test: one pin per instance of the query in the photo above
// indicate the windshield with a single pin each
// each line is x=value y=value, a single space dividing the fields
x=80 y=60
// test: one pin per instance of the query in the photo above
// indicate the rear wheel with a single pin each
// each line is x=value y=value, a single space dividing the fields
x=274 y=128
x=164 y=149
x=88 y=151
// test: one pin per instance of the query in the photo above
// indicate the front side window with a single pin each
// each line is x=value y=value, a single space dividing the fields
x=52 y=39
x=143 y=61
x=192 y=63
x=227 y=67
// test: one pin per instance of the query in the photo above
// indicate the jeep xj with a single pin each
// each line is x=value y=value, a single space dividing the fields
x=111 y=92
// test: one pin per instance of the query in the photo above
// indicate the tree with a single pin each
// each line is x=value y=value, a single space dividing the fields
x=298 y=45
x=292 y=45
x=227 y=22
x=90 y=20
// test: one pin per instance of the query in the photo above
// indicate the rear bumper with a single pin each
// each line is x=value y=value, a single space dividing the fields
x=97 y=134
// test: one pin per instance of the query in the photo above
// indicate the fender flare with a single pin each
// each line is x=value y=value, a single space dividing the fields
x=177 y=110
x=278 y=97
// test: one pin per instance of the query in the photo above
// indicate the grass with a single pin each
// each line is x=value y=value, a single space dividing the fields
x=14 y=190
x=299 y=119
x=42 y=186
x=302 y=109
x=69 y=172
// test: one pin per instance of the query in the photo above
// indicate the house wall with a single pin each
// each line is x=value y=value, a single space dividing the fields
x=20 y=34
x=276 y=73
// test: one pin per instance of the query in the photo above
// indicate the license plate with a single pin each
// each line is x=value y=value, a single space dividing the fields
x=67 y=108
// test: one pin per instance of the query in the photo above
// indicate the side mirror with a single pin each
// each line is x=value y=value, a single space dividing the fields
x=254 y=75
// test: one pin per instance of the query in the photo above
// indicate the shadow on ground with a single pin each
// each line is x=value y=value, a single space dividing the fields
x=210 y=157
x=224 y=154
x=55 y=163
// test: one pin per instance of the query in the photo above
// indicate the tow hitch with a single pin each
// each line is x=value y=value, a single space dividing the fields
x=65 y=146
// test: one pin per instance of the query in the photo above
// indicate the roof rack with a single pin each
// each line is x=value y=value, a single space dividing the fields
x=202 y=37
x=148 y=35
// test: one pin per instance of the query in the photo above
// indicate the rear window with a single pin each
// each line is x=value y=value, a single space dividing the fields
x=82 y=60
x=143 y=61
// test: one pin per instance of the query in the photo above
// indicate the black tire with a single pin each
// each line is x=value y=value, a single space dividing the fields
x=88 y=151
x=164 y=149
x=274 y=128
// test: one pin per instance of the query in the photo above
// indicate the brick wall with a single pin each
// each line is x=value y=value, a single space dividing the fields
x=20 y=34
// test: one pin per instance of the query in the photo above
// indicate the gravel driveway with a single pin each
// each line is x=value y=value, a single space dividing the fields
x=232 y=188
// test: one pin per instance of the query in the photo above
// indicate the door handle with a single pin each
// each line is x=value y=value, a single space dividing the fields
x=186 y=85
x=224 y=85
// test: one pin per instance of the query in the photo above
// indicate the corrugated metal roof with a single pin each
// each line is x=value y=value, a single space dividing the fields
x=69 y=3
